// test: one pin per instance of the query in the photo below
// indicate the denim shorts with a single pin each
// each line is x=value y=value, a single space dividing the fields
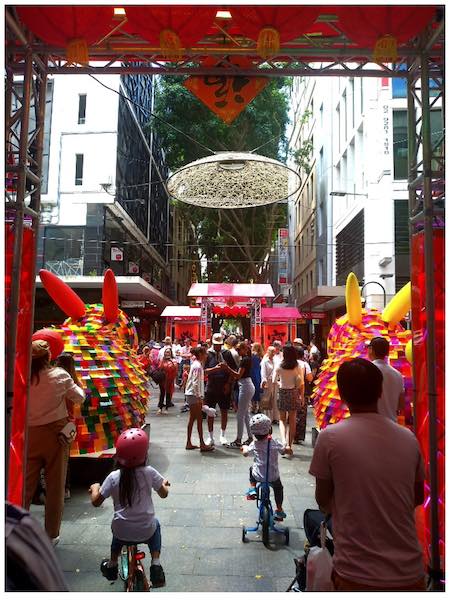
x=154 y=542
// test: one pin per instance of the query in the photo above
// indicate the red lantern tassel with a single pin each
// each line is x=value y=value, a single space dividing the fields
x=386 y=50
x=170 y=44
x=268 y=43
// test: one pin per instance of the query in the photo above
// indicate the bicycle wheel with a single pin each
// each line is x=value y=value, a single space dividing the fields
x=287 y=537
x=243 y=535
x=138 y=584
x=265 y=516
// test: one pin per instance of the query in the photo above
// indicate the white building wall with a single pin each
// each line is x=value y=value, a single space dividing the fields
x=353 y=152
x=364 y=165
x=96 y=140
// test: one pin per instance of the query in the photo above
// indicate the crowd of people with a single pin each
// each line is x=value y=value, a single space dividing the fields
x=369 y=471
x=226 y=374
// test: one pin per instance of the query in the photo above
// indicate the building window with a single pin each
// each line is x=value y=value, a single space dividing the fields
x=402 y=246
x=320 y=272
x=351 y=103
x=350 y=249
x=400 y=164
x=63 y=250
x=81 y=109
x=319 y=220
x=79 y=169
x=345 y=119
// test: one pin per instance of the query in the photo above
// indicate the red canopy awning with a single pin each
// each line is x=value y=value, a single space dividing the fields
x=231 y=291
x=280 y=314
x=185 y=312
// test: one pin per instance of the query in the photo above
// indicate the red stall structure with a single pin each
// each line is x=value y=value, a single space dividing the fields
x=182 y=322
x=390 y=41
x=231 y=297
x=279 y=323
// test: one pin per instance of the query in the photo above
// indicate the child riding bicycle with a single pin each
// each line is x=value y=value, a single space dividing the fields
x=134 y=519
x=264 y=447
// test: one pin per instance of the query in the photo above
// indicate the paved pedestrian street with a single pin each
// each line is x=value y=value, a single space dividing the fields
x=201 y=519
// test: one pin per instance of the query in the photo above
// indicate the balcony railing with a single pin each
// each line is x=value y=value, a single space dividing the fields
x=65 y=268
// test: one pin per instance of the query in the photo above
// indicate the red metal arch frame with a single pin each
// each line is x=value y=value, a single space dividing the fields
x=122 y=53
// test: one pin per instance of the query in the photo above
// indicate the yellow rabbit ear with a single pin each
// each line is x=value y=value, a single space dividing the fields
x=398 y=306
x=353 y=302
x=409 y=351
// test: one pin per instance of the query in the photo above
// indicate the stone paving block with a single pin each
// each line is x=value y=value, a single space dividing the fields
x=224 y=561
x=87 y=558
x=206 y=583
x=238 y=518
x=193 y=518
x=280 y=584
x=208 y=502
x=87 y=581
x=279 y=561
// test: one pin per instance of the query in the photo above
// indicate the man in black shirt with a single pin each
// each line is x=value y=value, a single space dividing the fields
x=218 y=385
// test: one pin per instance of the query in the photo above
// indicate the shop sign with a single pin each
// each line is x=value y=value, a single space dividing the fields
x=117 y=254
x=133 y=268
x=313 y=315
x=133 y=304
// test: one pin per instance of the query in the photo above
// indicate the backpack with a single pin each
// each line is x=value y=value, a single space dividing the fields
x=31 y=564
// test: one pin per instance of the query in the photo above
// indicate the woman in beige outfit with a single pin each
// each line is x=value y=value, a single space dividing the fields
x=269 y=396
x=50 y=387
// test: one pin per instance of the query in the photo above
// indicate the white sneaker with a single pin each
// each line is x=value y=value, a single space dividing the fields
x=223 y=440
x=210 y=441
x=55 y=540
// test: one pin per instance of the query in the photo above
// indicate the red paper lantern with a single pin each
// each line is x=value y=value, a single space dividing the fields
x=53 y=338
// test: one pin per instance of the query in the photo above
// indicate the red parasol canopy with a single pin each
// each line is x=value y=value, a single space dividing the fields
x=364 y=25
x=189 y=23
x=290 y=21
x=58 y=25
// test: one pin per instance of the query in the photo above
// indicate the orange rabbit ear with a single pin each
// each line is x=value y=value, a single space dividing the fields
x=63 y=295
x=110 y=297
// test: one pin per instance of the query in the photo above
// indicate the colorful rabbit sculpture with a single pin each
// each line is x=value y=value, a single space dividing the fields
x=348 y=338
x=104 y=345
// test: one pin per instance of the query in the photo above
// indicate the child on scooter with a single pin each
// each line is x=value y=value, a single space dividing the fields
x=134 y=515
x=260 y=426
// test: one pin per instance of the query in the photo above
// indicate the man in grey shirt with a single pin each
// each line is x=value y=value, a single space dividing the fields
x=391 y=403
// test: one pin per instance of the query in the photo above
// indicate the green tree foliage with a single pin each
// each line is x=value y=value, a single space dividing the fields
x=236 y=243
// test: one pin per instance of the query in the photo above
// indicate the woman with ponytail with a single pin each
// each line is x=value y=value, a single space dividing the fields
x=134 y=519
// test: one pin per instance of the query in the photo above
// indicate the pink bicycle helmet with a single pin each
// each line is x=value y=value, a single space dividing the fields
x=131 y=447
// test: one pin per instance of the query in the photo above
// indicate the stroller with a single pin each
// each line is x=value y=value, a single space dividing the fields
x=312 y=524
